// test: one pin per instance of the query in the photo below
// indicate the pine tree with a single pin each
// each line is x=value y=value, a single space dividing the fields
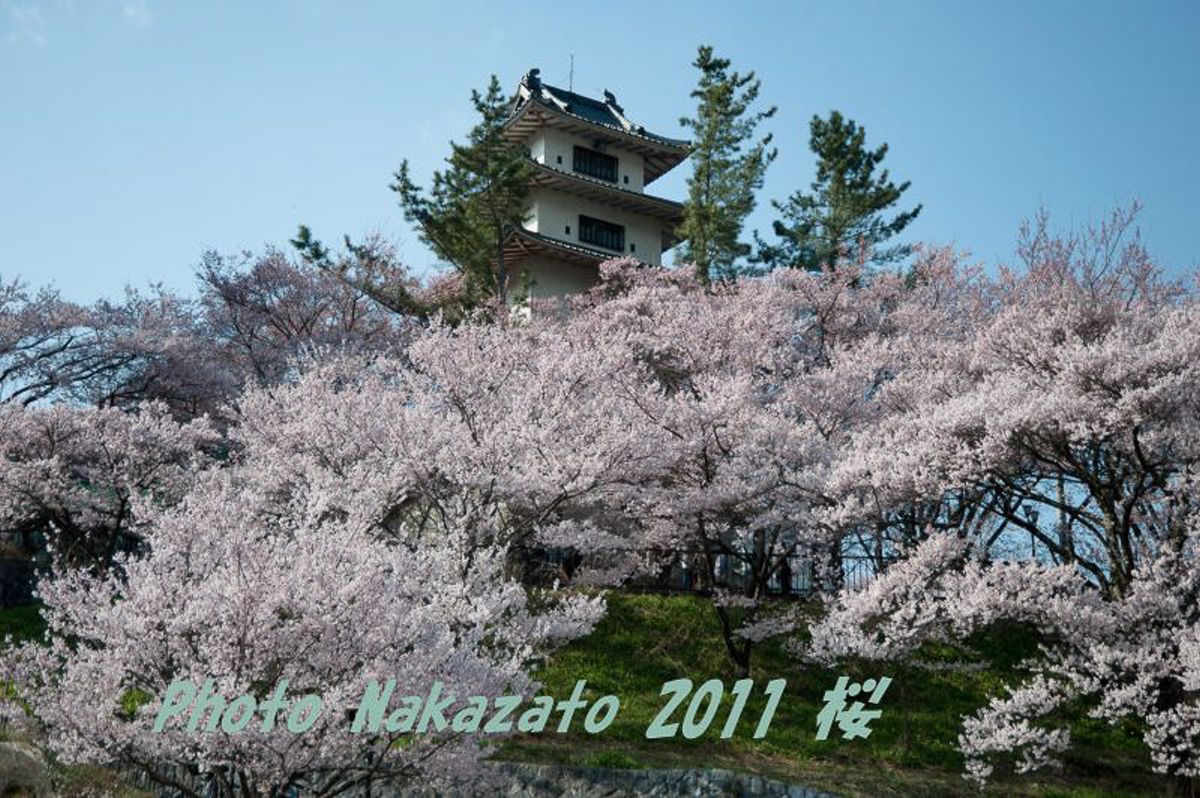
x=728 y=165
x=844 y=216
x=473 y=204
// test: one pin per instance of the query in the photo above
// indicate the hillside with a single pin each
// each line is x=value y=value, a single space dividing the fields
x=646 y=640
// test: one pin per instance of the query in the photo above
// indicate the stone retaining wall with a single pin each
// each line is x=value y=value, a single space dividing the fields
x=513 y=780
x=547 y=781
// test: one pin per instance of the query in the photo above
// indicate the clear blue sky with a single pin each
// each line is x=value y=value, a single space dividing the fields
x=135 y=134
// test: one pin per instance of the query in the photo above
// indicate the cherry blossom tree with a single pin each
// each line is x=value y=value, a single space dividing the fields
x=149 y=346
x=1132 y=658
x=1069 y=412
x=352 y=538
x=254 y=317
x=70 y=476
x=744 y=397
x=39 y=350
x=1067 y=417
x=1026 y=444
x=268 y=311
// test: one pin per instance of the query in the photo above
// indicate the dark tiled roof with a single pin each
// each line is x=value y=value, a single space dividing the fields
x=604 y=112
x=579 y=251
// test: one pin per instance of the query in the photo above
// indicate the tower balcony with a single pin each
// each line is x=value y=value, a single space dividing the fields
x=668 y=211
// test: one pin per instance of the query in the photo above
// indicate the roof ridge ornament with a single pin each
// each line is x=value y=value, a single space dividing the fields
x=610 y=100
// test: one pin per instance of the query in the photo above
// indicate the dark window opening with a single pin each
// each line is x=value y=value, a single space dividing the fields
x=559 y=158
x=626 y=179
x=568 y=229
x=602 y=234
x=595 y=164
x=632 y=247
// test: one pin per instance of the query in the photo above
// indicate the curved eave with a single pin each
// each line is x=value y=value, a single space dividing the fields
x=660 y=155
x=665 y=210
x=523 y=243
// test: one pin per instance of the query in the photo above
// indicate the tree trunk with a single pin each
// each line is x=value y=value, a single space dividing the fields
x=739 y=652
x=501 y=274
x=1182 y=787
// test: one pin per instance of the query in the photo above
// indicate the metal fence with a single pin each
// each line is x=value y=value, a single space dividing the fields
x=684 y=572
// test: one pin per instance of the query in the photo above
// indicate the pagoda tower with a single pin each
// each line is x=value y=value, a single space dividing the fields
x=587 y=192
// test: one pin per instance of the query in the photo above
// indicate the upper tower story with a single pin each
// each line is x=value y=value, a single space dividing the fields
x=588 y=189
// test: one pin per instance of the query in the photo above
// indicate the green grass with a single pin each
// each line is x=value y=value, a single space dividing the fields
x=645 y=641
x=23 y=623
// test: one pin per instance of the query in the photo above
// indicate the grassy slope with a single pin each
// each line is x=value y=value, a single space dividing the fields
x=646 y=640
x=23 y=623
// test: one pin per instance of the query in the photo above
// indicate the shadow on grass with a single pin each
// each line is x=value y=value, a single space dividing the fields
x=646 y=640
